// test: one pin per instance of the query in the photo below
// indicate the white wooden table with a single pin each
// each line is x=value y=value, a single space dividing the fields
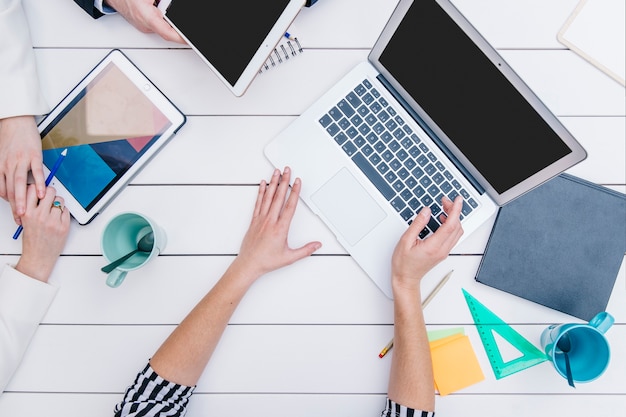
x=305 y=340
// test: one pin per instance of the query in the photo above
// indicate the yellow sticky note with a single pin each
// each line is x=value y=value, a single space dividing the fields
x=455 y=365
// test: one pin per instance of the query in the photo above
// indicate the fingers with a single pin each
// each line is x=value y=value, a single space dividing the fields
x=453 y=208
x=268 y=195
x=64 y=214
x=419 y=222
x=18 y=191
x=8 y=191
x=281 y=193
x=305 y=251
x=450 y=230
x=271 y=200
x=157 y=24
x=163 y=29
x=17 y=183
x=48 y=198
x=31 y=196
x=3 y=187
x=36 y=169
x=51 y=205
x=44 y=208
x=57 y=204
x=292 y=201
x=259 y=198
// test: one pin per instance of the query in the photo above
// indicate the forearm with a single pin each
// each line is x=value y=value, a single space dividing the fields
x=185 y=353
x=411 y=377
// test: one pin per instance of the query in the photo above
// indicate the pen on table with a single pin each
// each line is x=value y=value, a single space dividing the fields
x=288 y=36
x=53 y=171
x=424 y=304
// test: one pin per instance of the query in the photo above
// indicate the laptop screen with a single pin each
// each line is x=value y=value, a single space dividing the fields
x=469 y=98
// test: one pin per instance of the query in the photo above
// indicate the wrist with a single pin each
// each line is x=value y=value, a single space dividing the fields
x=407 y=299
x=17 y=122
x=33 y=269
x=409 y=288
x=241 y=271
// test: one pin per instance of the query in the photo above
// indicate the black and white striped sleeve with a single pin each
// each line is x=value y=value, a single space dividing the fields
x=396 y=410
x=151 y=395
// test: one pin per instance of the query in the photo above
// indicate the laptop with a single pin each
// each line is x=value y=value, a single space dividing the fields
x=434 y=111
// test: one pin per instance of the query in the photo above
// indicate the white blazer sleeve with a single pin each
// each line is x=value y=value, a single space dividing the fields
x=23 y=303
x=19 y=84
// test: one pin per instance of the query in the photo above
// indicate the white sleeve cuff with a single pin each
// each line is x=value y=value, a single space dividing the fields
x=23 y=303
x=104 y=9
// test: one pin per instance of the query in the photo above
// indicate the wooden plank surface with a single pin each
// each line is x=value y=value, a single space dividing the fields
x=278 y=358
x=306 y=338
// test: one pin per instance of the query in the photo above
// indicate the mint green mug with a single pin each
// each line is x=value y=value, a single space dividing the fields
x=122 y=235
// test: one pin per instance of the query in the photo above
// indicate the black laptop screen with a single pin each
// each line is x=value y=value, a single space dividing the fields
x=469 y=98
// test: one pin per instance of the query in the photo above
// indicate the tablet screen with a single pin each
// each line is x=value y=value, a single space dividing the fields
x=231 y=31
x=233 y=37
x=106 y=127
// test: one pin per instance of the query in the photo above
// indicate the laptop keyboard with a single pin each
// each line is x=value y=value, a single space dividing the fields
x=399 y=164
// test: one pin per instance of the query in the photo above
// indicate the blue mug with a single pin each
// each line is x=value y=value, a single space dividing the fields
x=589 y=351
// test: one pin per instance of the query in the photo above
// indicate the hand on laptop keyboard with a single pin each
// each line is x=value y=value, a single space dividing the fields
x=401 y=165
x=422 y=255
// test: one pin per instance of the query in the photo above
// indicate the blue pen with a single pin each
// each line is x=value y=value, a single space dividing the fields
x=288 y=36
x=53 y=171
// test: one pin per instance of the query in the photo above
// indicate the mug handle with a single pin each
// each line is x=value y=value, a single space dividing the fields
x=116 y=277
x=602 y=321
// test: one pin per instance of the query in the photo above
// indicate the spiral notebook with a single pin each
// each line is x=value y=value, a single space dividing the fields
x=284 y=51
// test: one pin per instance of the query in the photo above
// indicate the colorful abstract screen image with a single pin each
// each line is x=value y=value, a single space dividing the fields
x=106 y=129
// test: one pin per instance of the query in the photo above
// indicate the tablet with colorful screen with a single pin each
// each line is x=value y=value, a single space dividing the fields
x=111 y=124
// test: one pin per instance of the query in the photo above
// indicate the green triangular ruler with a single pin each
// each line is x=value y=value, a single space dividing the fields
x=487 y=323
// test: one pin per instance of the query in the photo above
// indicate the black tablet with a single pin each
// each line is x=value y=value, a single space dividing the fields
x=235 y=37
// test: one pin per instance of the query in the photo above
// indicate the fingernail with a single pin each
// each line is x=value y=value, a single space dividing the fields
x=286 y=170
x=276 y=172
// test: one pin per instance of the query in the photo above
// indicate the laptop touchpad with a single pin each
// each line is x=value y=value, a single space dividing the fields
x=348 y=207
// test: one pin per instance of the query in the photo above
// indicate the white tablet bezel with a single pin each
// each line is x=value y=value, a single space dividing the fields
x=263 y=52
x=154 y=95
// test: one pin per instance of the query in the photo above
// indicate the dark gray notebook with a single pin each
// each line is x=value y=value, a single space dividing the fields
x=560 y=245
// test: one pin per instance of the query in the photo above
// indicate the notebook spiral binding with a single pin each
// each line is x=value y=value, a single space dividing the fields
x=283 y=52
